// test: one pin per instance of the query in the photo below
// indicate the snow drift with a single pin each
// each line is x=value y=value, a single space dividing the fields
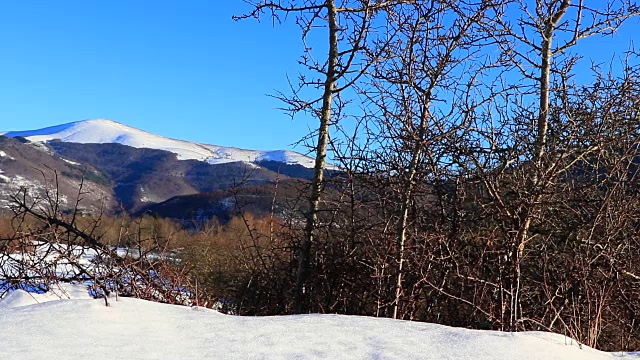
x=40 y=327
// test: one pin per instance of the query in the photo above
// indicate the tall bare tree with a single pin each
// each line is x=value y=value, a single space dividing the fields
x=348 y=25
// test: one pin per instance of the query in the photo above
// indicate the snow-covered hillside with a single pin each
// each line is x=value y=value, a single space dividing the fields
x=107 y=131
x=35 y=327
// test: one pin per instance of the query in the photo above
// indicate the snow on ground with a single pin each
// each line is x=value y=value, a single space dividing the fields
x=108 y=131
x=35 y=327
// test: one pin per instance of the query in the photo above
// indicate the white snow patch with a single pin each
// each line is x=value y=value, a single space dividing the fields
x=42 y=147
x=71 y=162
x=228 y=202
x=5 y=155
x=251 y=165
x=66 y=323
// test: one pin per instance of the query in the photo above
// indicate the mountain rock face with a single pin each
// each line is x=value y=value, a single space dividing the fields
x=124 y=168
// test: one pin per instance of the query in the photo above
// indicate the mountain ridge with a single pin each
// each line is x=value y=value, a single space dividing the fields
x=101 y=131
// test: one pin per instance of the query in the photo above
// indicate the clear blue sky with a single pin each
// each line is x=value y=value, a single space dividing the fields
x=180 y=68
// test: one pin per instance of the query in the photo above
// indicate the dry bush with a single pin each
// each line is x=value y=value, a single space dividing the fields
x=242 y=267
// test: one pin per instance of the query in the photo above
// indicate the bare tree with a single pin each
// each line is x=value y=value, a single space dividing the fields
x=349 y=25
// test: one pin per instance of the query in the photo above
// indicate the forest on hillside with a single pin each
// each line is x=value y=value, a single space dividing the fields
x=488 y=179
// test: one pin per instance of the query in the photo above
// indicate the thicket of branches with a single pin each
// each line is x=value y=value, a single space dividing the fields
x=490 y=170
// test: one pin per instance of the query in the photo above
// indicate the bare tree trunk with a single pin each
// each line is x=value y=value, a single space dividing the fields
x=349 y=28
x=406 y=202
x=542 y=129
x=304 y=264
x=533 y=53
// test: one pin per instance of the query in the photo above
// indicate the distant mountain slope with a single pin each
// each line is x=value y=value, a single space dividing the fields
x=284 y=198
x=101 y=131
x=142 y=176
x=39 y=170
x=131 y=179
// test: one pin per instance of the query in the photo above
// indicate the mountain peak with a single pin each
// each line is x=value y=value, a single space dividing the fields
x=101 y=121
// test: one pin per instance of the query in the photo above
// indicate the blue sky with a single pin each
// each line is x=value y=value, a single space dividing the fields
x=182 y=69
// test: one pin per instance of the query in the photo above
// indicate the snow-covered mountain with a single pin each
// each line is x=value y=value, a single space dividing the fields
x=101 y=131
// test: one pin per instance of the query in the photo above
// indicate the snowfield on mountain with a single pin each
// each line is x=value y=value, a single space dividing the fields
x=40 y=326
x=103 y=131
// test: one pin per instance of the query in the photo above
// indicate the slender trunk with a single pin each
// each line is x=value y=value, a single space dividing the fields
x=404 y=206
x=304 y=264
x=543 y=114
x=545 y=72
x=517 y=249
x=517 y=252
x=402 y=238
x=539 y=151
